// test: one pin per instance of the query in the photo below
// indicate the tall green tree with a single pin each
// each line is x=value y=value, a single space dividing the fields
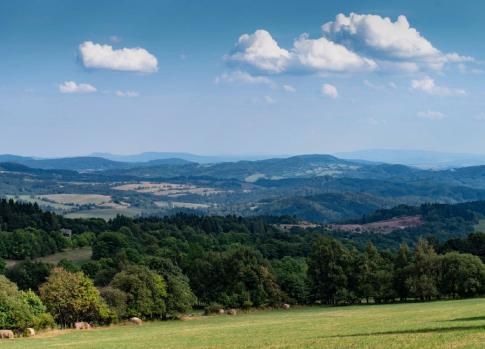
x=329 y=265
x=72 y=297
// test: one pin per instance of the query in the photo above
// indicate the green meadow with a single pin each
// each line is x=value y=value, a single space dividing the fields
x=443 y=324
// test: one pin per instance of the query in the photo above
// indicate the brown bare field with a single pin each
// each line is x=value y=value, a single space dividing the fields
x=383 y=227
x=168 y=189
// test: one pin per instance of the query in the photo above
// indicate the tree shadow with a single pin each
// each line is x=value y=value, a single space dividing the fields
x=476 y=318
x=413 y=331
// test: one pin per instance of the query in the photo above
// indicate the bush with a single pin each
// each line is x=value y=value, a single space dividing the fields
x=72 y=297
x=19 y=310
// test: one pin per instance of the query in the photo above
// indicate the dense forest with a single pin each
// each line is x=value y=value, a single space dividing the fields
x=159 y=268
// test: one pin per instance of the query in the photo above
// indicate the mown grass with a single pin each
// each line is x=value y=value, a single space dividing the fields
x=445 y=324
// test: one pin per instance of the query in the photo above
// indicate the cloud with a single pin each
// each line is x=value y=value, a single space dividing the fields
x=269 y=100
x=427 y=85
x=329 y=91
x=99 y=56
x=322 y=55
x=242 y=77
x=289 y=88
x=72 y=87
x=349 y=44
x=431 y=115
x=382 y=39
x=261 y=54
x=127 y=93
x=259 y=51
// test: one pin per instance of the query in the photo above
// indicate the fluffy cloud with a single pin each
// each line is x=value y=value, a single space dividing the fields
x=242 y=77
x=382 y=39
x=352 y=43
x=428 y=85
x=259 y=51
x=72 y=87
x=127 y=93
x=431 y=115
x=322 y=55
x=329 y=91
x=126 y=59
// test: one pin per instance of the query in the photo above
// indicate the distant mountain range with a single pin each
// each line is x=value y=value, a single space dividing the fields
x=201 y=159
x=85 y=163
x=416 y=158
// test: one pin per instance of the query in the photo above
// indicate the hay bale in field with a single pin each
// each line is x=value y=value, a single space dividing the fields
x=6 y=334
x=136 y=321
x=221 y=311
x=29 y=332
x=82 y=325
x=232 y=312
x=286 y=306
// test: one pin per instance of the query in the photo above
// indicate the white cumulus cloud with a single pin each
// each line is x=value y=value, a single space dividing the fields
x=383 y=39
x=73 y=87
x=327 y=56
x=428 y=85
x=100 y=56
x=259 y=51
x=329 y=91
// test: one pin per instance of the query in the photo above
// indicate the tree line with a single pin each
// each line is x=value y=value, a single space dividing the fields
x=159 y=268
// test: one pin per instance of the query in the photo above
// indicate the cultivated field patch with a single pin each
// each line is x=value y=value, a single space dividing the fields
x=168 y=189
x=383 y=227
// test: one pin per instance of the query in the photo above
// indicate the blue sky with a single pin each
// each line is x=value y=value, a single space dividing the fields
x=227 y=77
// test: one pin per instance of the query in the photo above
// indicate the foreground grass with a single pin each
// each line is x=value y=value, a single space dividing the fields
x=446 y=324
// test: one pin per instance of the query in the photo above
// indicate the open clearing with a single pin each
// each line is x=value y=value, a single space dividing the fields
x=168 y=189
x=383 y=227
x=75 y=255
x=77 y=199
x=445 y=324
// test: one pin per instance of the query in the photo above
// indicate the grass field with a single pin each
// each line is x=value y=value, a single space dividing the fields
x=75 y=255
x=445 y=324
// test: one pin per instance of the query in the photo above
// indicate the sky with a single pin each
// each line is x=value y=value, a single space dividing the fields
x=241 y=77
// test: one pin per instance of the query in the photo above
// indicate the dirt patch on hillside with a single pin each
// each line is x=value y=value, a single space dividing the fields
x=382 y=227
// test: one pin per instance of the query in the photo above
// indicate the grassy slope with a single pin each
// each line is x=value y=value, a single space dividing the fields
x=447 y=324
x=76 y=255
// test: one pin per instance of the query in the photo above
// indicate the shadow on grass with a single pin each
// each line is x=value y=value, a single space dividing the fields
x=476 y=318
x=413 y=331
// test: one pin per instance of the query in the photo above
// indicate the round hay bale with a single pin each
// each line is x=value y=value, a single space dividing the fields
x=136 y=321
x=82 y=325
x=29 y=332
x=232 y=312
x=286 y=306
x=6 y=334
x=221 y=311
